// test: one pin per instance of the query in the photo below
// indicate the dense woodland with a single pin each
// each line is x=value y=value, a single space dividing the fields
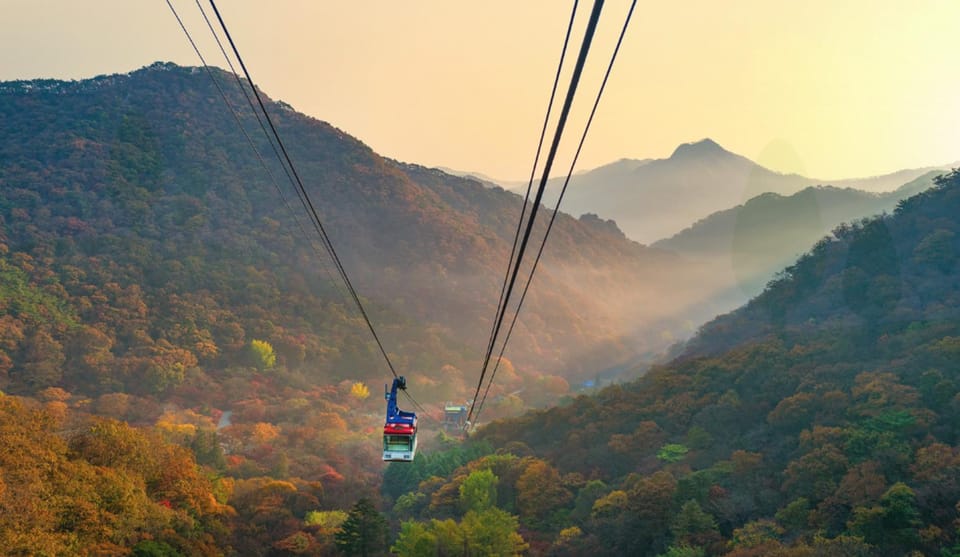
x=153 y=273
x=180 y=375
x=823 y=418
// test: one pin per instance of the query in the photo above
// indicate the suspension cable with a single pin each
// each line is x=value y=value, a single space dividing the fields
x=553 y=216
x=501 y=306
x=294 y=178
x=299 y=184
x=236 y=117
x=561 y=122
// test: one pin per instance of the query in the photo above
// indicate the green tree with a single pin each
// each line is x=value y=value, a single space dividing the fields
x=364 y=532
x=478 y=492
x=150 y=548
x=409 y=505
x=439 y=537
x=893 y=524
x=694 y=526
x=795 y=516
x=326 y=519
x=449 y=535
x=492 y=532
x=207 y=449
x=672 y=452
x=756 y=533
x=415 y=540
x=684 y=550
x=263 y=355
x=586 y=497
x=937 y=250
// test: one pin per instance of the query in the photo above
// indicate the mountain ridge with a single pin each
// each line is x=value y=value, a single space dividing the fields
x=766 y=233
x=643 y=196
x=700 y=148
x=810 y=415
x=142 y=180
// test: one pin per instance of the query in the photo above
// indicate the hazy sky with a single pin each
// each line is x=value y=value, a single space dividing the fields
x=829 y=88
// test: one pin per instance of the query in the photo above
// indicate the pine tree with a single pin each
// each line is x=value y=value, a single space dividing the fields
x=364 y=532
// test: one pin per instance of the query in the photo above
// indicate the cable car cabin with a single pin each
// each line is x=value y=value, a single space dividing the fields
x=400 y=428
x=454 y=417
x=399 y=443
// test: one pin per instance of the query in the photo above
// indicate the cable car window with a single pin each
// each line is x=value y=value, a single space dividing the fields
x=397 y=442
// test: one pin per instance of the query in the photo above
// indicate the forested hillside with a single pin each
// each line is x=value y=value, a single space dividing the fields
x=152 y=273
x=749 y=243
x=134 y=206
x=823 y=418
x=103 y=490
x=181 y=376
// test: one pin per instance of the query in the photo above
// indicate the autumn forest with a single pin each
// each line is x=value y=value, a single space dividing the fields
x=182 y=374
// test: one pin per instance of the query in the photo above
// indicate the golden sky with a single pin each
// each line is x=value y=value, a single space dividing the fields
x=829 y=88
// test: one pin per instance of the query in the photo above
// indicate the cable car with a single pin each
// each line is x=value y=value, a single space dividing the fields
x=400 y=429
x=454 y=417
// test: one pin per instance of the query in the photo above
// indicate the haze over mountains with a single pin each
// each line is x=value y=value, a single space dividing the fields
x=819 y=419
x=152 y=272
x=426 y=247
x=751 y=242
x=143 y=181
x=653 y=199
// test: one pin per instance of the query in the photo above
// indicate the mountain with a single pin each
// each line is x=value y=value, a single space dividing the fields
x=157 y=279
x=886 y=272
x=886 y=183
x=821 y=418
x=751 y=242
x=134 y=209
x=479 y=176
x=655 y=199
x=150 y=273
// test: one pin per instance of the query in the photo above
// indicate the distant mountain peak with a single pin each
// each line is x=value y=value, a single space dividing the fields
x=704 y=147
x=607 y=225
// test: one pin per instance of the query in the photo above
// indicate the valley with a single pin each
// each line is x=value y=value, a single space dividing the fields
x=203 y=287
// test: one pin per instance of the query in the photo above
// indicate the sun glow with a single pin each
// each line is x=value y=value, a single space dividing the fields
x=854 y=88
